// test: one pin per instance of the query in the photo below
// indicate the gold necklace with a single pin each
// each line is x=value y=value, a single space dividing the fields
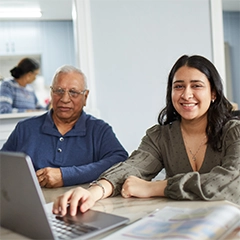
x=194 y=154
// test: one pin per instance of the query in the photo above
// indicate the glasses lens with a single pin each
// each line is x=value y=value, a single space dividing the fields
x=59 y=91
x=73 y=93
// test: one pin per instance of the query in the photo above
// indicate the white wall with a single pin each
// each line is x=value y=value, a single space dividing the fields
x=135 y=43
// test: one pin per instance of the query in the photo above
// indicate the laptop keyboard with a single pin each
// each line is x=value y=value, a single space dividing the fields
x=67 y=229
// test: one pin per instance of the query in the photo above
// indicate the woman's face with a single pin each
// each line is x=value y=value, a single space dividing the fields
x=31 y=76
x=191 y=93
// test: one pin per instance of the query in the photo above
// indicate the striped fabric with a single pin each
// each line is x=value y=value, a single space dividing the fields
x=15 y=98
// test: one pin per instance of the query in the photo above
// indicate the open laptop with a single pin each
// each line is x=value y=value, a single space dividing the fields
x=23 y=207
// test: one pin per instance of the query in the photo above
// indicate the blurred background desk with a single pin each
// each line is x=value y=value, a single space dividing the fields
x=8 y=121
x=133 y=208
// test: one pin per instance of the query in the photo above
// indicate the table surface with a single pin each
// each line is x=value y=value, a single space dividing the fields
x=133 y=208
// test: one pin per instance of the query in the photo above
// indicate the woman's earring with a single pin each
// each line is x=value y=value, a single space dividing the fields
x=213 y=100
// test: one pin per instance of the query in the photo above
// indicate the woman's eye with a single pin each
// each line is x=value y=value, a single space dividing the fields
x=197 y=86
x=178 y=87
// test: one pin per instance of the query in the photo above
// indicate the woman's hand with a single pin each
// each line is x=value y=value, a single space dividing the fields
x=82 y=199
x=136 y=187
x=77 y=198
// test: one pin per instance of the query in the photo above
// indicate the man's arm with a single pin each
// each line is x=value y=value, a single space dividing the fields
x=107 y=152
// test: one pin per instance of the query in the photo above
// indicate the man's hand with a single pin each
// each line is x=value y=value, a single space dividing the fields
x=50 y=177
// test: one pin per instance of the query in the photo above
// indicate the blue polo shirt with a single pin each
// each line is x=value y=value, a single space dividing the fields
x=82 y=154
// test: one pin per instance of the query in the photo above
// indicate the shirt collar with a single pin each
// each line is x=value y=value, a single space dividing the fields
x=79 y=129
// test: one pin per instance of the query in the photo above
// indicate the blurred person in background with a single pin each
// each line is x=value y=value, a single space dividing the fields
x=16 y=95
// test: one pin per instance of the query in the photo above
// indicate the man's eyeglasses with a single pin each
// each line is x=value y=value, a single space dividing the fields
x=72 y=93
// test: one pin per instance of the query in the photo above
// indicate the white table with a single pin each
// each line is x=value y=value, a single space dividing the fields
x=133 y=208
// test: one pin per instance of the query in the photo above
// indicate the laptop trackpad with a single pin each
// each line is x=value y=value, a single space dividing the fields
x=91 y=218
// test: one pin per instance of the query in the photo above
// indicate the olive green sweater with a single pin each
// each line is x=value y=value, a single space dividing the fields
x=163 y=147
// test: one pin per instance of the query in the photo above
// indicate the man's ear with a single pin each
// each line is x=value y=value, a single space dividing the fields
x=85 y=97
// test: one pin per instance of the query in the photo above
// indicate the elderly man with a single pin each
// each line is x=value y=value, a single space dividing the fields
x=66 y=145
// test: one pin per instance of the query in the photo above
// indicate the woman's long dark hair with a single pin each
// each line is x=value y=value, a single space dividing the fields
x=26 y=65
x=219 y=112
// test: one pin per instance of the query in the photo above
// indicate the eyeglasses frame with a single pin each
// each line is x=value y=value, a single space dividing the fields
x=68 y=91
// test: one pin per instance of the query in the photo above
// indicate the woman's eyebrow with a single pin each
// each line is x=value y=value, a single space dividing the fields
x=181 y=81
x=178 y=81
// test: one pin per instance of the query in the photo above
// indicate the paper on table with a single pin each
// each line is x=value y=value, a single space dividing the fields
x=183 y=223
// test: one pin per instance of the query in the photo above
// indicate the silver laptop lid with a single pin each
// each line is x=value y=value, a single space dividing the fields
x=22 y=201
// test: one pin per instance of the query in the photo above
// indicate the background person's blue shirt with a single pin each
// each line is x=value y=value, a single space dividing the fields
x=82 y=154
x=15 y=98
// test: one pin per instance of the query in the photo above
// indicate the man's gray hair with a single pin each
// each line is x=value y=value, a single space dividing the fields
x=68 y=69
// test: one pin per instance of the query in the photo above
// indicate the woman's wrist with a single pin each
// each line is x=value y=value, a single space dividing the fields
x=98 y=184
x=100 y=189
x=158 y=188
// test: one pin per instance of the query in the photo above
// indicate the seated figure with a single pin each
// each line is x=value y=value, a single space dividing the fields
x=66 y=145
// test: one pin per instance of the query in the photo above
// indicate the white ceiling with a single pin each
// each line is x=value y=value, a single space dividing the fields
x=62 y=9
x=51 y=9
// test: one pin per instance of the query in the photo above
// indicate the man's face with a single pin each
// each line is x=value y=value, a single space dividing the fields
x=68 y=108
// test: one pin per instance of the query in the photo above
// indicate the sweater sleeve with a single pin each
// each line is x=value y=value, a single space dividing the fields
x=6 y=98
x=144 y=163
x=222 y=182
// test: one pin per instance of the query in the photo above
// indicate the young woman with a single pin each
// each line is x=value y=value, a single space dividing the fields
x=197 y=142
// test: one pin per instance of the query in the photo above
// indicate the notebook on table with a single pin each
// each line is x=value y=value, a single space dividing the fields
x=22 y=206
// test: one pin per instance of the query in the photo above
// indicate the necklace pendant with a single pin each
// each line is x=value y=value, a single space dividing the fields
x=194 y=158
